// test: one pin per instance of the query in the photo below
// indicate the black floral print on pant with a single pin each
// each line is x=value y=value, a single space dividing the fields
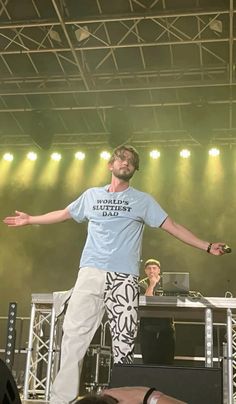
x=121 y=302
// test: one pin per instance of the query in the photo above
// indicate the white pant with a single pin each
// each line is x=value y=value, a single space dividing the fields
x=94 y=291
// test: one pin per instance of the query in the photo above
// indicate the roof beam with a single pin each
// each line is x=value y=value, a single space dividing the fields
x=112 y=18
x=78 y=64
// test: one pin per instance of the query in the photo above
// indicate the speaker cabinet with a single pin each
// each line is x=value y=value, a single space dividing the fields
x=8 y=389
x=190 y=384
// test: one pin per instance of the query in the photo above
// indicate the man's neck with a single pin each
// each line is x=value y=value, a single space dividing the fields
x=118 y=185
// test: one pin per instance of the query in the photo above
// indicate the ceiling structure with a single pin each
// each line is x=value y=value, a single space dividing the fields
x=94 y=72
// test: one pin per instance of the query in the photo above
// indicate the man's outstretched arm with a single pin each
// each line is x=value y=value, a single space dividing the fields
x=185 y=235
x=23 y=219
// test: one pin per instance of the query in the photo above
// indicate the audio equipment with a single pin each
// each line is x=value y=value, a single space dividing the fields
x=8 y=389
x=191 y=384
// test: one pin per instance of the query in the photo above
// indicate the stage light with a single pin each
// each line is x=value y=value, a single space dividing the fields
x=185 y=153
x=105 y=155
x=55 y=36
x=50 y=173
x=75 y=173
x=11 y=335
x=56 y=156
x=154 y=154
x=8 y=157
x=214 y=172
x=32 y=156
x=214 y=152
x=82 y=33
x=26 y=169
x=99 y=172
x=79 y=155
x=216 y=26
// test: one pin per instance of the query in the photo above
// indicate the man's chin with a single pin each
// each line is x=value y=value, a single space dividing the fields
x=124 y=177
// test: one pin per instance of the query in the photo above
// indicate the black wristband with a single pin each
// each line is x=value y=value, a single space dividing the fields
x=147 y=395
x=209 y=248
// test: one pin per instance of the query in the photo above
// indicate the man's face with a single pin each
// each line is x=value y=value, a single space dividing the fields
x=153 y=270
x=123 y=166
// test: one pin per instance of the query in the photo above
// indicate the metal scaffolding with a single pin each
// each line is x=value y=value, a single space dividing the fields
x=234 y=354
x=43 y=351
x=158 y=59
x=45 y=334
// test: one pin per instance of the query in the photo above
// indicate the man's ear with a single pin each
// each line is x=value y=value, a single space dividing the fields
x=110 y=166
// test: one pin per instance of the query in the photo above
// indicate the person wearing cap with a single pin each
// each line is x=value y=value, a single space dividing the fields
x=157 y=335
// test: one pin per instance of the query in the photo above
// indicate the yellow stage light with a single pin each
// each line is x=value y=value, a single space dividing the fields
x=214 y=152
x=185 y=153
x=183 y=176
x=79 y=155
x=105 y=155
x=8 y=157
x=214 y=172
x=56 y=156
x=155 y=154
x=5 y=169
x=99 y=173
x=50 y=173
x=75 y=176
x=32 y=156
x=152 y=169
x=24 y=174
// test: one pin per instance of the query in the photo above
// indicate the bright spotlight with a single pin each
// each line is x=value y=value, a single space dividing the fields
x=155 y=154
x=80 y=155
x=214 y=152
x=105 y=155
x=56 y=156
x=32 y=156
x=185 y=153
x=8 y=157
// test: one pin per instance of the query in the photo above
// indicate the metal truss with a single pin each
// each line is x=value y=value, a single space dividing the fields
x=42 y=353
x=81 y=60
x=234 y=354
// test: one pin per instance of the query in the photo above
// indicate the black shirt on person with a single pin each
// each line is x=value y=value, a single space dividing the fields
x=157 y=335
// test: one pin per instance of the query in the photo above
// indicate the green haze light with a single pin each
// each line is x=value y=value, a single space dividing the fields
x=56 y=156
x=185 y=153
x=32 y=156
x=79 y=155
x=154 y=154
x=214 y=152
x=8 y=157
x=105 y=155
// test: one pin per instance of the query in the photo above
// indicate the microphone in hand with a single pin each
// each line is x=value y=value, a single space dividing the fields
x=226 y=249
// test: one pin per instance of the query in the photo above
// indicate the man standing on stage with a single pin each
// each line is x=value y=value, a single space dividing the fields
x=109 y=266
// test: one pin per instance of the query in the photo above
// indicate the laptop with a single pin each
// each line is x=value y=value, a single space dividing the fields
x=175 y=283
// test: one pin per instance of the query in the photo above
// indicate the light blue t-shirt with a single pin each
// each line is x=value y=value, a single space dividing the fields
x=115 y=227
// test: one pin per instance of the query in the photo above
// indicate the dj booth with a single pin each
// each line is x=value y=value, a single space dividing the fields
x=45 y=334
x=209 y=310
